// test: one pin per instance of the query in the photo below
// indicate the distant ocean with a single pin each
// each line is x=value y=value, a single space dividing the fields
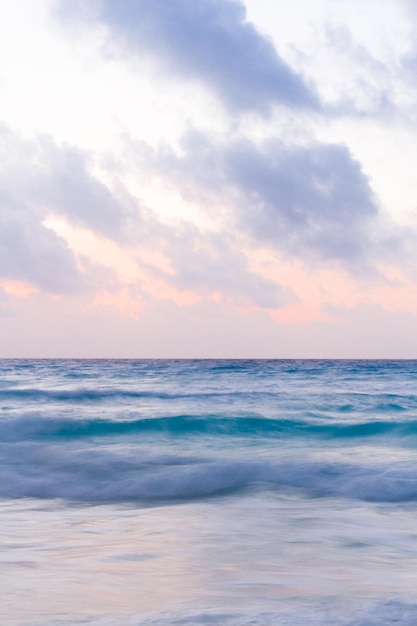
x=212 y=492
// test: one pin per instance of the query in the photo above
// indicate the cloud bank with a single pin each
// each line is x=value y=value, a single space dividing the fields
x=174 y=161
x=38 y=179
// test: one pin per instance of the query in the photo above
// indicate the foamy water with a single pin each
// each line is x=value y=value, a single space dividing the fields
x=208 y=492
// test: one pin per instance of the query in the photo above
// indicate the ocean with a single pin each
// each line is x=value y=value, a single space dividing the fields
x=220 y=492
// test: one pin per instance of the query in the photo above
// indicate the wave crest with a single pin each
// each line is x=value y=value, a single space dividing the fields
x=115 y=473
x=34 y=426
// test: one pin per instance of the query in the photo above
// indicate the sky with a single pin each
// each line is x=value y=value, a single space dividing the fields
x=208 y=179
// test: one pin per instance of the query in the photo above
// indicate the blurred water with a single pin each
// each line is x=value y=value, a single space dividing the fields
x=208 y=492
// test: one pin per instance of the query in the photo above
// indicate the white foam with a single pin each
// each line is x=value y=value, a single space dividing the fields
x=106 y=473
x=379 y=613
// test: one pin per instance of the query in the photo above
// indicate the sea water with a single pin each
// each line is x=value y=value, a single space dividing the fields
x=208 y=492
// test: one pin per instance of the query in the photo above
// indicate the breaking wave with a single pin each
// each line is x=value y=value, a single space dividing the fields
x=35 y=426
x=118 y=473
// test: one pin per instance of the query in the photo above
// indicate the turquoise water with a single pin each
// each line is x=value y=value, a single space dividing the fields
x=208 y=492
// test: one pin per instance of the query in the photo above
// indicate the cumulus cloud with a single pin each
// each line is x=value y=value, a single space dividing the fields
x=209 y=41
x=38 y=178
x=28 y=250
x=65 y=185
x=312 y=201
x=31 y=252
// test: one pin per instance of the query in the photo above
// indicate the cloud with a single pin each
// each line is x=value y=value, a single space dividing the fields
x=31 y=252
x=209 y=41
x=38 y=178
x=28 y=250
x=311 y=201
x=65 y=185
x=354 y=81
x=212 y=263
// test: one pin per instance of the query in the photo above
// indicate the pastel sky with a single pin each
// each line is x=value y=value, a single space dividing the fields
x=208 y=178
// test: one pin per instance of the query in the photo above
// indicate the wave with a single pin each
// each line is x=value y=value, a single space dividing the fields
x=100 y=474
x=35 y=426
x=340 y=402
x=379 y=613
x=92 y=395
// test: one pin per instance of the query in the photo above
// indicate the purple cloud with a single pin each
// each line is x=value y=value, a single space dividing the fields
x=311 y=201
x=205 y=40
